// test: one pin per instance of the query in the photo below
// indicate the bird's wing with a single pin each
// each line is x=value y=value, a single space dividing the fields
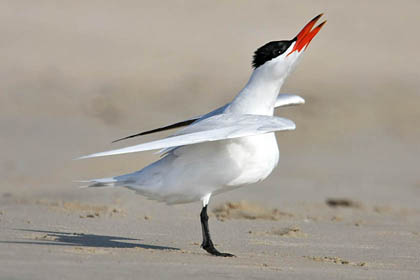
x=159 y=129
x=218 y=127
x=283 y=99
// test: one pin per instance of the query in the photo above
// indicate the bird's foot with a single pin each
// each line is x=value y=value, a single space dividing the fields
x=213 y=251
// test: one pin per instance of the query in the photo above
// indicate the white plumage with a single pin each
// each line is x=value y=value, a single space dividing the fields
x=189 y=171
x=226 y=148
x=229 y=147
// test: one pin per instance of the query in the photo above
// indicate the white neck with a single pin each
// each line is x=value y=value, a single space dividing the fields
x=259 y=94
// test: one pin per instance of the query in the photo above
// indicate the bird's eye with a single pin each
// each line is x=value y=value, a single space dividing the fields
x=283 y=48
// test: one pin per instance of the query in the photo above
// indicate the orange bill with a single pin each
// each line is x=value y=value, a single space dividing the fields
x=307 y=34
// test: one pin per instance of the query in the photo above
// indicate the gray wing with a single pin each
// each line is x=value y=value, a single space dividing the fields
x=159 y=129
x=218 y=127
x=283 y=99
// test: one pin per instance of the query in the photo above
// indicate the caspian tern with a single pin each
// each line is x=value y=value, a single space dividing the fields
x=227 y=148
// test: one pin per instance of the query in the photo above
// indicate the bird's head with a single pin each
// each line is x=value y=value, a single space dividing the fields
x=277 y=59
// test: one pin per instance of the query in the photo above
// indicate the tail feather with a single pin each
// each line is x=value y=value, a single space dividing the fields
x=103 y=182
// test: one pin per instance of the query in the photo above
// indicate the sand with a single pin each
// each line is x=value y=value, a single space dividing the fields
x=342 y=204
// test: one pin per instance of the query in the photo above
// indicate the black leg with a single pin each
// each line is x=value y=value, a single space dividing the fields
x=207 y=243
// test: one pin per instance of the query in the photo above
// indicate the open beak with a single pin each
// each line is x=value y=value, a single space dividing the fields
x=307 y=34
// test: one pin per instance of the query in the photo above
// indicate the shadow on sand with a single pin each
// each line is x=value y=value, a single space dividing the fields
x=85 y=240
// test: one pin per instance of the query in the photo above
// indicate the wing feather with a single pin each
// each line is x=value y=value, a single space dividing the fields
x=283 y=99
x=159 y=129
x=215 y=128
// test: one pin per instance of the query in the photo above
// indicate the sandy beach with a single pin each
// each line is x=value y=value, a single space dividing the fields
x=343 y=202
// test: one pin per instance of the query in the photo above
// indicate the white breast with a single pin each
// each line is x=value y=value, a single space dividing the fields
x=256 y=157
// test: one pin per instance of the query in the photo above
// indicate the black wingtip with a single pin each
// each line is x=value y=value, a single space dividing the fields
x=128 y=137
x=138 y=134
x=171 y=126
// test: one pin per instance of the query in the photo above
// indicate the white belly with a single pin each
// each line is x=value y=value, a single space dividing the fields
x=190 y=172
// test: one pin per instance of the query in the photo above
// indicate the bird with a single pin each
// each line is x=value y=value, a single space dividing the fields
x=229 y=147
